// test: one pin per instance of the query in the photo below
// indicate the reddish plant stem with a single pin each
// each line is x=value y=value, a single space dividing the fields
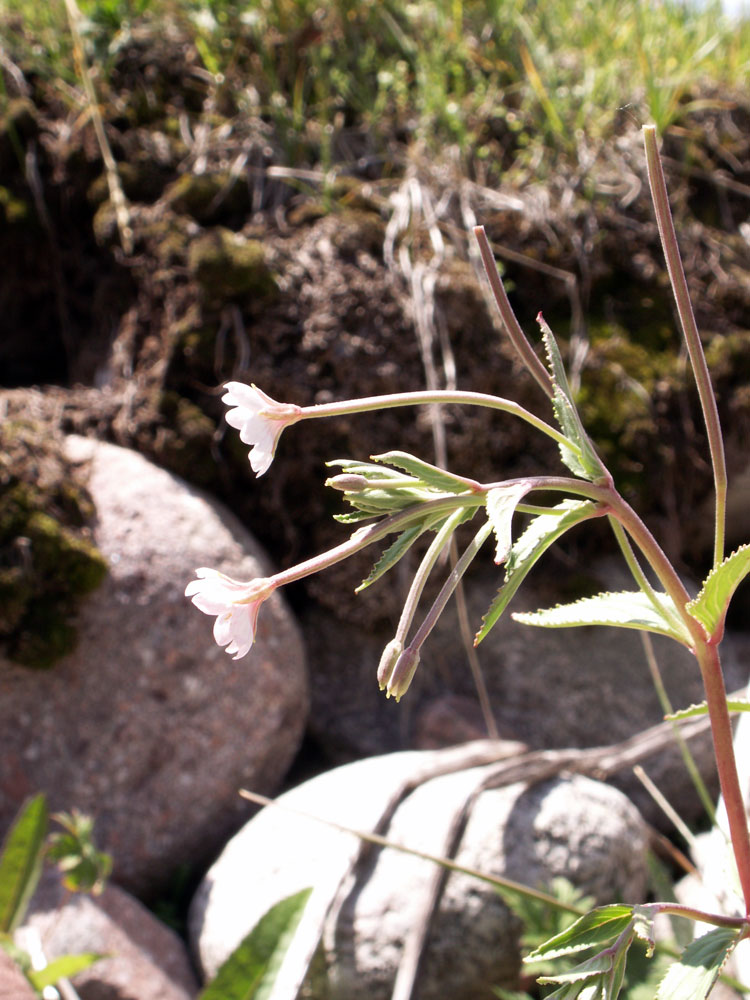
x=707 y=654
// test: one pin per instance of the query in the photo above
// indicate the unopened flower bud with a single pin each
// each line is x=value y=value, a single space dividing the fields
x=388 y=660
x=348 y=483
x=402 y=673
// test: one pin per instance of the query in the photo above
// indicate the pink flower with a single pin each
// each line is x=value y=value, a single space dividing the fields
x=235 y=605
x=260 y=421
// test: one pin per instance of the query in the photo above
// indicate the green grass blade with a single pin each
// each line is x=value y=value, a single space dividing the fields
x=250 y=971
x=21 y=862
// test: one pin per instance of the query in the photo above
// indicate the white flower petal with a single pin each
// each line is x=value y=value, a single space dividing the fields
x=235 y=604
x=259 y=419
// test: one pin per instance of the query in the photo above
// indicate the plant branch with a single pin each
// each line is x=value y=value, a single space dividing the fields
x=512 y=326
x=721 y=731
x=431 y=396
x=678 y=281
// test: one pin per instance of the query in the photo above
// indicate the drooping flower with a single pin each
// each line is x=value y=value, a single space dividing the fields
x=235 y=604
x=259 y=419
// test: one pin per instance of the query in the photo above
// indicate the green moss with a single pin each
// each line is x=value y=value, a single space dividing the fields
x=616 y=399
x=228 y=266
x=47 y=561
x=184 y=442
x=208 y=197
x=15 y=210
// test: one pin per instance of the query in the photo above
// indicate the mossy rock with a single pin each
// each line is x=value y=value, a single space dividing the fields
x=208 y=197
x=619 y=386
x=227 y=266
x=19 y=122
x=48 y=561
x=359 y=230
x=183 y=444
x=14 y=210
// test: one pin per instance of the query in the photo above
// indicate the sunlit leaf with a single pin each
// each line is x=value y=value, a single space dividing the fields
x=594 y=929
x=64 y=967
x=438 y=479
x=21 y=862
x=584 y=461
x=621 y=610
x=586 y=970
x=733 y=705
x=392 y=554
x=710 y=606
x=526 y=551
x=501 y=506
x=250 y=971
x=693 y=977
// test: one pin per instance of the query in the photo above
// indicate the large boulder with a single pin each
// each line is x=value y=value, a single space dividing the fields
x=574 y=687
x=574 y=827
x=149 y=726
x=140 y=956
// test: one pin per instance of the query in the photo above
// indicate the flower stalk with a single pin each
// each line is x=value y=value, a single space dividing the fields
x=697 y=356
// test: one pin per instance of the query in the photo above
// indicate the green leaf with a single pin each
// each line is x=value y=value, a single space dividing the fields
x=693 y=977
x=540 y=534
x=710 y=606
x=438 y=479
x=392 y=554
x=64 y=967
x=250 y=971
x=353 y=517
x=622 y=610
x=501 y=506
x=21 y=862
x=594 y=929
x=367 y=469
x=592 y=967
x=84 y=868
x=583 y=460
x=643 y=927
x=733 y=705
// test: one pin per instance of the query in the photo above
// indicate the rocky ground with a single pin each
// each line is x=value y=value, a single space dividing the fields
x=227 y=259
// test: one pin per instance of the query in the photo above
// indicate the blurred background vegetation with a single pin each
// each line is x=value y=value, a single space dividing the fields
x=510 y=85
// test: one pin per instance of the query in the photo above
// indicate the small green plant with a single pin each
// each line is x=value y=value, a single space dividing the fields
x=399 y=495
x=21 y=860
x=249 y=973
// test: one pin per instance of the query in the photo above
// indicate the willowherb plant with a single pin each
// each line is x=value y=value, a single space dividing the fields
x=398 y=494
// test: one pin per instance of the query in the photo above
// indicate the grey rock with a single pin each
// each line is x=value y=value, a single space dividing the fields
x=143 y=959
x=13 y=984
x=576 y=828
x=573 y=687
x=149 y=726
